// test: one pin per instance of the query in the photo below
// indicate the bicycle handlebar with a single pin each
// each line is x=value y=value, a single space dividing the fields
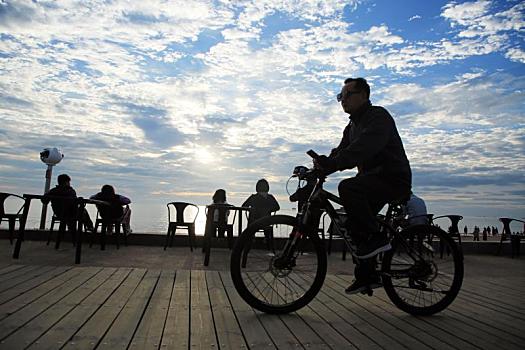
x=312 y=154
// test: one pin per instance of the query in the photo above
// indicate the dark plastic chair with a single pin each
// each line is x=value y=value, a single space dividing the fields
x=179 y=209
x=268 y=233
x=11 y=218
x=453 y=230
x=506 y=234
x=107 y=225
x=217 y=229
x=61 y=229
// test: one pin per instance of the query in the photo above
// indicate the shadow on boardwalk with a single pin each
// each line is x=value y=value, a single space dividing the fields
x=142 y=298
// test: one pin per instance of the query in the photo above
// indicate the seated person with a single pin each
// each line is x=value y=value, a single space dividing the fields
x=115 y=210
x=219 y=197
x=261 y=203
x=67 y=210
x=416 y=211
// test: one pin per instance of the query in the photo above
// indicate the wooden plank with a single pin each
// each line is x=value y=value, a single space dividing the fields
x=494 y=295
x=177 y=327
x=302 y=331
x=9 y=268
x=228 y=330
x=276 y=329
x=14 y=277
x=34 y=294
x=64 y=330
x=497 y=322
x=120 y=334
x=202 y=330
x=14 y=321
x=363 y=321
x=29 y=332
x=456 y=328
x=254 y=333
x=151 y=328
x=22 y=288
x=96 y=327
x=378 y=321
x=333 y=339
x=431 y=336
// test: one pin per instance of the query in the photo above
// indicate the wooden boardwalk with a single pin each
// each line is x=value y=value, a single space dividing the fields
x=66 y=307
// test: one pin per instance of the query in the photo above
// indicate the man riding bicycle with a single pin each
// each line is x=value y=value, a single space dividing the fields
x=371 y=143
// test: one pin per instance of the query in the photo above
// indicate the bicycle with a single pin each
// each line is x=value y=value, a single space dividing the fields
x=287 y=277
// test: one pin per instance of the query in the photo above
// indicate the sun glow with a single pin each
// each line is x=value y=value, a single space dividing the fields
x=203 y=155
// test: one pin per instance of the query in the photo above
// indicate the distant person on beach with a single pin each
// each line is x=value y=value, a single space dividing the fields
x=465 y=230
x=262 y=203
x=370 y=143
x=219 y=197
x=66 y=210
x=116 y=209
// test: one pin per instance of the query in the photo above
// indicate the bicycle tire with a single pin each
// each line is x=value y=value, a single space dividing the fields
x=451 y=264
x=302 y=285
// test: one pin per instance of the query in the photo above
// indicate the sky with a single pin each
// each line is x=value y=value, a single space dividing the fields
x=171 y=100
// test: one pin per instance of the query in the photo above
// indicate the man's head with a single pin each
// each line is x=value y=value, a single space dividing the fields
x=355 y=93
x=63 y=180
x=107 y=191
x=262 y=186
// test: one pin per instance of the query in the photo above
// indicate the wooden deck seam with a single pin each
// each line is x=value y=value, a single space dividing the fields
x=51 y=304
x=470 y=337
x=93 y=314
x=68 y=307
x=143 y=312
x=369 y=303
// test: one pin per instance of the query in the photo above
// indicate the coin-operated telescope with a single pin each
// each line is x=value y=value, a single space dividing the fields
x=51 y=157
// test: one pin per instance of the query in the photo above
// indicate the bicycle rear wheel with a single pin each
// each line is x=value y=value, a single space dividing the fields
x=423 y=272
x=268 y=281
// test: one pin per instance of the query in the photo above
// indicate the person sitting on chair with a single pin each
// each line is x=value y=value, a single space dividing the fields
x=262 y=203
x=115 y=210
x=66 y=210
x=416 y=211
x=219 y=197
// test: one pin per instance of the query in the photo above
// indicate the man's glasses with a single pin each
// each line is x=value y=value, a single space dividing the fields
x=340 y=95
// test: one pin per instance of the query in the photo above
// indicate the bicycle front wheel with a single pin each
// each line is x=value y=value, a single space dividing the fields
x=423 y=272
x=270 y=278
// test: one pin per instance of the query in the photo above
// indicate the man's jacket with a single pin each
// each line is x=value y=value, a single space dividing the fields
x=372 y=144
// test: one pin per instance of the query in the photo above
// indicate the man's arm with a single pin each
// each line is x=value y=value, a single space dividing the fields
x=372 y=139
x=342 y=144
x=123 y=199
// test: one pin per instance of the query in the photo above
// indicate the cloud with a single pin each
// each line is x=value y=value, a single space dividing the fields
x=476 y=19
x=516 y=54
x=413 y=18
x=140 y=93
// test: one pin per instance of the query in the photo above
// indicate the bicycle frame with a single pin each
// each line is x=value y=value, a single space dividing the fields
x=309 y=217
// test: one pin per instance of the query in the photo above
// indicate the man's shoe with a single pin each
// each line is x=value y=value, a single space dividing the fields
x=375 y=244
x=363 y=286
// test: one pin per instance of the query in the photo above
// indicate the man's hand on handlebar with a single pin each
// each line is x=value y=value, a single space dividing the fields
x=325 y=164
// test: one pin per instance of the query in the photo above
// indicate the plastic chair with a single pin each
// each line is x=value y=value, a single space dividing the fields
x=108 y=224
x=268 y=232
x=453 y=230
x=217 y=228
x=179 y=209
x=11 y=218
x=61 y=229
x=506 y=234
